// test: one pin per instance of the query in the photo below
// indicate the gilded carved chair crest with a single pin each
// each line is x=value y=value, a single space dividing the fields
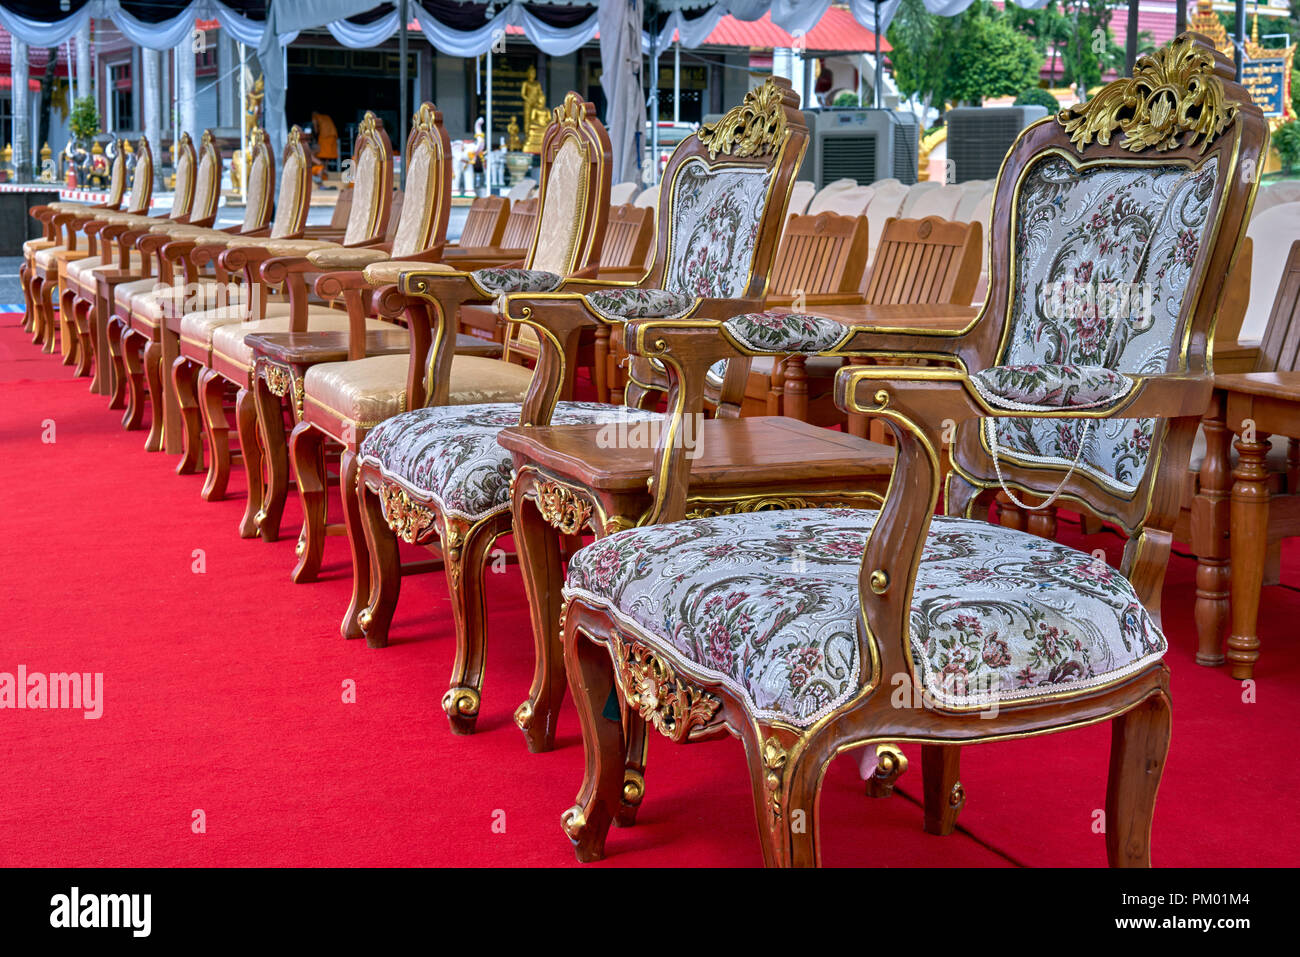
x=571 y=112
x=754 y=128
x=1173 y=92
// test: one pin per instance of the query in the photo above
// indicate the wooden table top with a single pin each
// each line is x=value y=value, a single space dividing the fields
x=1271 y=385
x=942 y=317
x=310 y=348
x=770 y=449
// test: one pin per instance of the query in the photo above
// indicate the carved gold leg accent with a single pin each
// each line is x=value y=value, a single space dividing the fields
x=459 y=704
x=775 y=757
x=524 y=716
x=891 y=763
x=650 y=685
x=574 y=822
x=633 y=788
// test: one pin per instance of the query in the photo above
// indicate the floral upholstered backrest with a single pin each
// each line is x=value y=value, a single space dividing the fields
x=371 y=188
x=722 y=187
x=295 y=188
x=1104 y=259
x=183 y=202
x=141 y=179
x=261 y=181
x=574 y=192
x=207 y=183
x=1114 y=224
x=428 y=186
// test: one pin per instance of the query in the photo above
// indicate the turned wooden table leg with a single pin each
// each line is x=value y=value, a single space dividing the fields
x=1210 y=529
x=538 y=545
x=1249 y=544
x=794 y=399
x=270 y=426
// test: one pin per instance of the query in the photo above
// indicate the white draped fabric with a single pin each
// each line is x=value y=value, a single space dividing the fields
x=555 y=41
x=625 y=113
x=163 y=35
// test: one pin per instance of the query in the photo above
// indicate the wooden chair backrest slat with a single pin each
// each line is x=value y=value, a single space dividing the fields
x=485 y=222
x=520 y=224
x=628 y=236
x=927 y=261
x=1280 y=351
x=824 y=253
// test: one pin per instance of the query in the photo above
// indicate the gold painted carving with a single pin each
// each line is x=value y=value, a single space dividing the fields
x=571 y=112
x=1173 y=92
x=524 y=716
x=408 y=519
x=564 y=509
x=279 y=381
x=651 y=686
x=754 y=128
x=774 y=760
x=460 y=702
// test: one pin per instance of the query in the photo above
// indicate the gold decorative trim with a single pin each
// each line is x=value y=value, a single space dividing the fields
x=1173 y=91
x=650 y=685
x=408 y=519
x=633 y=787
x=460 y=702
x=775 y=757
x=280 y=381
x=571 y=112
x=524 y=716
x=761 y=503
x=754 y=128
x=565 y=510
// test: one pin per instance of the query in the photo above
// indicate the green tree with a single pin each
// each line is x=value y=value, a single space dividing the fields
x=991 y=59
x=922 y=46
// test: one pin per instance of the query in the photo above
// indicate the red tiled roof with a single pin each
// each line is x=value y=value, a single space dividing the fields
x=836 y=32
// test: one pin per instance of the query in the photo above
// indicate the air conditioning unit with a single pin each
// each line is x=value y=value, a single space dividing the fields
x=861 y=145
x=979 y=137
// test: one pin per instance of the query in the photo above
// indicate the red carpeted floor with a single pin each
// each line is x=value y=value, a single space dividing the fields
x=223 y=694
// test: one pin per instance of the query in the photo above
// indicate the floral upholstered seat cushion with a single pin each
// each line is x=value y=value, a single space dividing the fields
x=786 y=332
x=450 y=455
x=1050 y=386
x=767 y=603
x=635 y=302
x=499 y=279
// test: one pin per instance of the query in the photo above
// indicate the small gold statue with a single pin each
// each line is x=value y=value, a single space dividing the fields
x=252 y=109
x=512 y=135
x=536 y=116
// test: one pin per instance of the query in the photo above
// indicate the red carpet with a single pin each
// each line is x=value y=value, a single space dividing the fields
x=223 y=694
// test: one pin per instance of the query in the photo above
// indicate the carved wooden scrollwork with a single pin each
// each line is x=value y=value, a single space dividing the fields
x=1173 y=92
x=408 y=519
x=754 y=128
x=650 y=685
x=565 y=510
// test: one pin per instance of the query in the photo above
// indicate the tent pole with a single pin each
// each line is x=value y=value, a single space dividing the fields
x=403 y=109
x=654 y=96
x=1180 y=17
x=1239 y=41
x=243 y=123
x=487 y=129
x=1131 y=38
x=677 y=80
x=880 y=67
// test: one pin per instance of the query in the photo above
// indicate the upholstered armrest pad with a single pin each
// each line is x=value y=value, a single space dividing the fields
x=294 y=247
x=389 y=271
x=341 y=257
x=1050 y=386
x=638 y=302
x=781 y=332
x=957 y=397
x=499 y=279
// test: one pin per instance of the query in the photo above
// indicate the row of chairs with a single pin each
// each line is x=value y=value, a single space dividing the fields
x=799 y=651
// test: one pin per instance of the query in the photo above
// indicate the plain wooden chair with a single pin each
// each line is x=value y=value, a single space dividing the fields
x=1209 y=529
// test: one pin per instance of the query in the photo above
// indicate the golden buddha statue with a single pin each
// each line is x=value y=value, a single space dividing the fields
x=536 y=116
x=512 y=135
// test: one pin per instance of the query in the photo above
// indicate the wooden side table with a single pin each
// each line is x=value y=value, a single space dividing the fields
x=1232 y=514
x=567 y=480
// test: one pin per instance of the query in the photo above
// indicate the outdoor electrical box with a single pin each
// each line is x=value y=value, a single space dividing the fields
x=979 y=137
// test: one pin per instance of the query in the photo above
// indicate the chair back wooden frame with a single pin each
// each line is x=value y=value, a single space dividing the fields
x=574 y=125
x=371 y=201
x=1153 y=505
x=117 y=175
x=260 y=177
x=822 y=253
x=186 y=171
x=1280 y=350
x=627 y=242
x=141 y=179
x=430 y=236
x=207 y=185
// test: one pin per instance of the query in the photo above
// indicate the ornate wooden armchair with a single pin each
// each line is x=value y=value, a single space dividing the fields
x=112 y=252
x=437 y=474
x=703 y=626
x=344 y=401
x=223 y=289
x=63 y=236
x=198 y=189
x=280 y=355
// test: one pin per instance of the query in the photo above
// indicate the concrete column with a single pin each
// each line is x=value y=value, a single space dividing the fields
x=228 y=109
x=21 y=111
x=84 y=72
x=185 y=89
x=152 y=75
